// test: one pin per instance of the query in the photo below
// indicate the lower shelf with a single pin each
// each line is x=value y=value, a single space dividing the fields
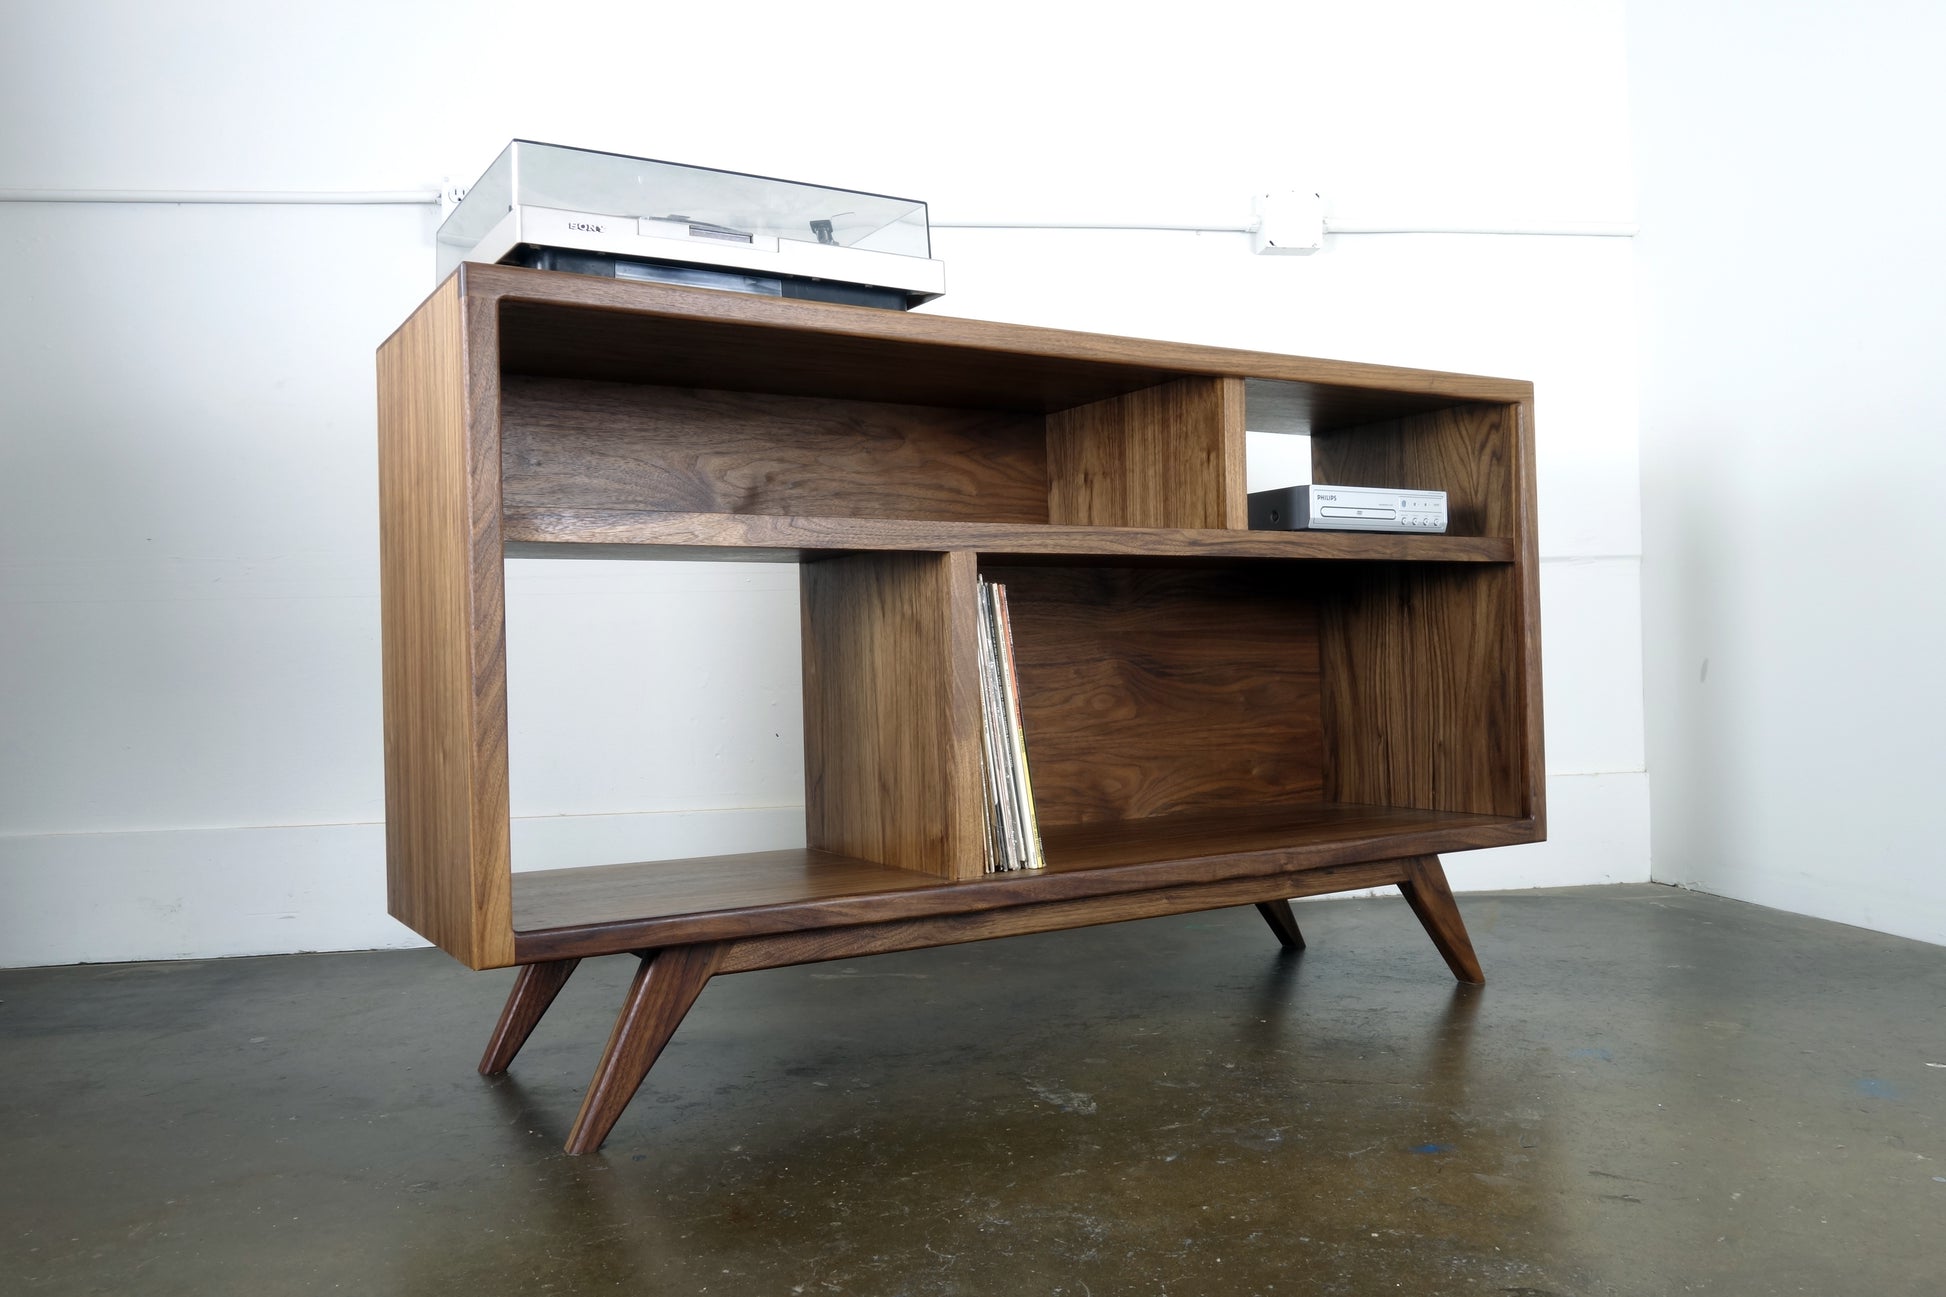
x=561 y=913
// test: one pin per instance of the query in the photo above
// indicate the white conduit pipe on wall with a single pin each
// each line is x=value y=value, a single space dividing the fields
x=1332 y=225
x=429 y=197
x=268 y=198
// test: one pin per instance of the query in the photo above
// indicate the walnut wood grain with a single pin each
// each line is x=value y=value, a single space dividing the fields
x=1190 y=700
x=610 y=908
x=910 y=934
x=1378 y=735
x=892 y=711
x=644 y=534
x=442 y=612
x=1473 y=664
x=1283 y=923
x=1165 y=456
x=1425 y=890
x=665 y=986
x=1424 y=690
x=576 y=326
x=1236 y=840
x=577 y=444
x=1431 y=678
x=1526 y=612
x=660 y=889
x=1453 y=722
x=534 y=989
x=1156 y=691
x=1471 y=452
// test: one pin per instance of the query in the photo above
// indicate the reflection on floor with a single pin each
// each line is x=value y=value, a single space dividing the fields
x=1657 y=1092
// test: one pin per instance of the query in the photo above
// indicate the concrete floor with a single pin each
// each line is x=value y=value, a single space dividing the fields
x=1659 y=1093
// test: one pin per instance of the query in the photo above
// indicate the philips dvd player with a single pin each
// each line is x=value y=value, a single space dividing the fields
x=1347 y=508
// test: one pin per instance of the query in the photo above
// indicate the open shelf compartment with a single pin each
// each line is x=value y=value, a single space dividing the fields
x=1185 y=726
x=563 y=913
x=1202 y=701
x=702 y=427
x=1230 y=691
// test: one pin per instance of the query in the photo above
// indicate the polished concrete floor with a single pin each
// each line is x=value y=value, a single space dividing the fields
x=1659 y=1093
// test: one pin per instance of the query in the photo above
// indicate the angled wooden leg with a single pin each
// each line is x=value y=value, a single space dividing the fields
x=1432 y=900
x=665 y=986
x=535 y=987
x=1282 y=922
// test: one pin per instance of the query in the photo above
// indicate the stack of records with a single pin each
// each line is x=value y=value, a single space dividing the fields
x=1013 y=839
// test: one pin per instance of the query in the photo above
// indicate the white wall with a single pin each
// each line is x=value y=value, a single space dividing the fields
x=1794 y=451
x=188 y=601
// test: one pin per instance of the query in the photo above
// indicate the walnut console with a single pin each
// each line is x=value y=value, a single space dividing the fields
x=1214 y=716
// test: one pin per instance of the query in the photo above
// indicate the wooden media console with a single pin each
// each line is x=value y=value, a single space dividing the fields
x=1214 y=716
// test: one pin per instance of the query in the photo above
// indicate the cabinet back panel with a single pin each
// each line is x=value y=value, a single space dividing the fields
x=579 y=444
x=1467 y=451
x=1154 y=691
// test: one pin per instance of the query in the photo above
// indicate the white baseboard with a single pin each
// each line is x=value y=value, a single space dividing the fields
x=204 y=893
x=1888 y=900
x=201 y=893
x=1597 y=832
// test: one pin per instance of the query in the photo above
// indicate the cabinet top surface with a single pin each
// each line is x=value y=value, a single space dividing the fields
x=565 y=325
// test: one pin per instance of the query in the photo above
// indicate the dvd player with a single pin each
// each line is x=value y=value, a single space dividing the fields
x=1347 y=508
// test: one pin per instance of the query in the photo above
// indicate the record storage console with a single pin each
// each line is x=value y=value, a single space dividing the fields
x=1214 y=716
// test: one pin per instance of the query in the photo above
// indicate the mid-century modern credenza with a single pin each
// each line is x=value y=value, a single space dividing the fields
x=1214 y=716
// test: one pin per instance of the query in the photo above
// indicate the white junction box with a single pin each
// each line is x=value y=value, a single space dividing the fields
x=1347 y=508
x=1289 y=224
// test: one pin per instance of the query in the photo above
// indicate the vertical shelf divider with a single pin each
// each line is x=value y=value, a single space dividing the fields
x=1164 y=456
x=892 y=710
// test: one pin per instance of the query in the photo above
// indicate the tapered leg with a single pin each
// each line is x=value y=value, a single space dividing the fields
x=1282 y=922
x=535 y=987
x=665 y=986
x=1432 y=900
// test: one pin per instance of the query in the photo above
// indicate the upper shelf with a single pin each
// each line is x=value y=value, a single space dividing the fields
x=571 y=326
x=575 y=533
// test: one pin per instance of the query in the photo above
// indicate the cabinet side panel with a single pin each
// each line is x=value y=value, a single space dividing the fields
x=891 y=711
x=1166 y=456
x=1155 y=691
x=587 y=445
x=439 y=881
x=487 y=632
x=1471 y=452
x=1527 y=616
